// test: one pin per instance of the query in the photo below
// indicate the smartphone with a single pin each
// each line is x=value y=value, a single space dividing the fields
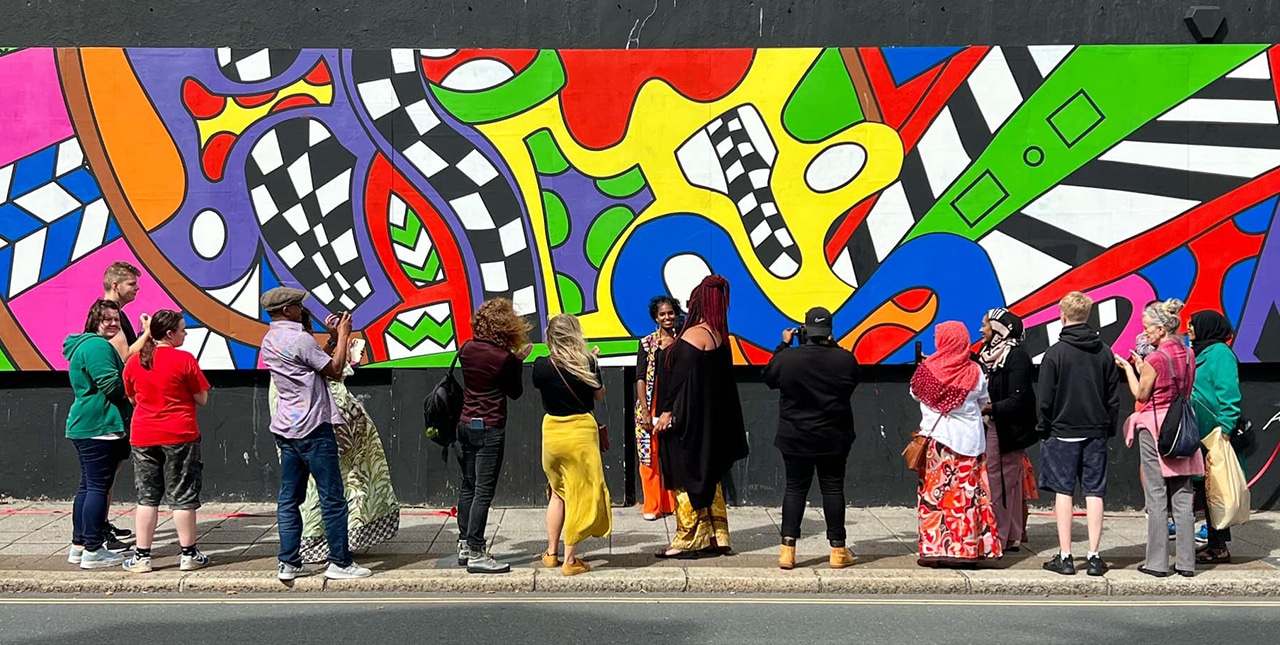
x=357 y=350
x=477 y=424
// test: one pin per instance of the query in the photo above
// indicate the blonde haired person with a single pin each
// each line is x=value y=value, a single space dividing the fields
x=1155 y=382
x=569 y=382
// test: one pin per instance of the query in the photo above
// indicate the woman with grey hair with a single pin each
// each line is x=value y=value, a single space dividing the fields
x=1155 y=382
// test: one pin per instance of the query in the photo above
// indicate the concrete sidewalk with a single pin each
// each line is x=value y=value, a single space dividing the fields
x=242 y=541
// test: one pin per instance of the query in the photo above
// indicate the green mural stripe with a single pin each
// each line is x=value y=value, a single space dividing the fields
x=408 y=234
x=570 y=294
x=825 y=102
x=1096 y=97
x=540 y=81
x=6 y=365
x=557 y=218
x=604 y=232
x=440 y=333
x=547 y=157
x=444 y=359
x=428 y=272
x=624 y=185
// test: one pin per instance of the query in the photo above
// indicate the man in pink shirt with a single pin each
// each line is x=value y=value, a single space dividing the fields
x=303 y=428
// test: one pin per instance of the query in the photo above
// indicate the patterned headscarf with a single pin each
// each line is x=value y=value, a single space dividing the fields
x=1006 y=333
x=945 y=378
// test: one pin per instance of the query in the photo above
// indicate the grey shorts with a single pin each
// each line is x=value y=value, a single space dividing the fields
x=176 y=470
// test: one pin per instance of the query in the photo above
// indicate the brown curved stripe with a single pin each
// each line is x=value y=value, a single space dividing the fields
x=22 y=353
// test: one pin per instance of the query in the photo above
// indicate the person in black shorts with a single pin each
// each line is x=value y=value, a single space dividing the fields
x=1079 y=404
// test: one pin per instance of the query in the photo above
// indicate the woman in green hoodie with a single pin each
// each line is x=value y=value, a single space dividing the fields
x=1216 y=399
x=96 y=424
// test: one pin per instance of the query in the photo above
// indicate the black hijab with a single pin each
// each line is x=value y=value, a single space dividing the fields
x=1211 y=328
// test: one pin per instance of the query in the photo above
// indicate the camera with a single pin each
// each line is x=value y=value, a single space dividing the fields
x=801 y=335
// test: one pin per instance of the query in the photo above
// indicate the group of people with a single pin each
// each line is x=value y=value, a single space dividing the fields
x=136 y=396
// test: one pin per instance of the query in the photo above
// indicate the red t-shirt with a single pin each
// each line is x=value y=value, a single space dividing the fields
x=164 y=408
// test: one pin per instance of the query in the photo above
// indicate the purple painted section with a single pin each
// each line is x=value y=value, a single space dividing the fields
x=584 y=202
x=1264 y=294
x=161 y=72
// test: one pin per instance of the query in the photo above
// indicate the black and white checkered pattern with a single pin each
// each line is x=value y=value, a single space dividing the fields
x=747 y=175
x=299 y=178
x=253 y=65
x=390 y=86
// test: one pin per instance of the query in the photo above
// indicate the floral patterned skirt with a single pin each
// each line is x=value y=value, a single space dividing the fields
x=957 y=522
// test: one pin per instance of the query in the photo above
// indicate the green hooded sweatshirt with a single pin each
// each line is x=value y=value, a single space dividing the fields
x=96 y=371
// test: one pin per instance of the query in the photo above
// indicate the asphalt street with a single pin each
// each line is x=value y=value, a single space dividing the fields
x=509 y=619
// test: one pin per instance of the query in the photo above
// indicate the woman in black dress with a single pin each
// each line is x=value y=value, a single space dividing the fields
x=700 y=423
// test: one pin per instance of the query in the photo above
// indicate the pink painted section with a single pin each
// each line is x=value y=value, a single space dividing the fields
x=32 y=113
x=75 y=289
x=1132 y=288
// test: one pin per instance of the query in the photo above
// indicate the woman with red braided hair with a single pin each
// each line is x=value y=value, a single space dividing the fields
x=700 y=423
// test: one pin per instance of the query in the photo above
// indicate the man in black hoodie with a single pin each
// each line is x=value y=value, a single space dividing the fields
x=1079 y=404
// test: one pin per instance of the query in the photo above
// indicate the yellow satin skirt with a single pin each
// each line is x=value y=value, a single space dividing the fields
x=571 y=461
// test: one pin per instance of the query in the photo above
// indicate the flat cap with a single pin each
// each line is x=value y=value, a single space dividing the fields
x=281 y=297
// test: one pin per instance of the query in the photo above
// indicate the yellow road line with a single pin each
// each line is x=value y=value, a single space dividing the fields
x=497 y=600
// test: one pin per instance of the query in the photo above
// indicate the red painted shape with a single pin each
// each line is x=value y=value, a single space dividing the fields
x=319 y=75
x=754 y=354
x=1127 y=257
x=880 y=342
x=1216 y=252
x=602 y=86
x=199 y=101
x=954 y=72
x=848 y=224
x=896 y=101
x=213 y=158
x=913 y=300
x=384 y=180
x=300 y=100
x=254 y=100
x=436 y=69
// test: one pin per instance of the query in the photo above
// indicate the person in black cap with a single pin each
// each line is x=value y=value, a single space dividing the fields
x=815 y=428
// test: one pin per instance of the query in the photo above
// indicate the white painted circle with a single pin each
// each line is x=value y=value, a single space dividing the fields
x=478 y=74
x=208 y=234
x=682 y=273
x=835 y=167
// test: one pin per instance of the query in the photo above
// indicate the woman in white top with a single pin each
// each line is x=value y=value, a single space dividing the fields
x=957 y=522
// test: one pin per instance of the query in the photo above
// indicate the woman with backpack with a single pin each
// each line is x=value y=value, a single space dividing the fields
x=570 y=384
x=1156 y=382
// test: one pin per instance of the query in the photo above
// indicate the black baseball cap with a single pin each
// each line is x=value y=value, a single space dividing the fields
x=817 y=322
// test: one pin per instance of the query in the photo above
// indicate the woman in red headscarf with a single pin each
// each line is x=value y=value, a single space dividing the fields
x=957 y=523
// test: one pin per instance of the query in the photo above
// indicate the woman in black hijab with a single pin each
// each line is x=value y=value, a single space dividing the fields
x=1216 y=399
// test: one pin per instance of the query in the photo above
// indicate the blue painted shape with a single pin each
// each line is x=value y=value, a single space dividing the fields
x=113 y=230
x=1257 y=219
x=32 y=172
x=1235 y=289
x=752 y=316
x=6 y=266
x=244 y=356
x=906 y=63
x=1172 y=275
x=962 y=295
x=59 y=242
x=269 y=282
x=191 y=321
x=81 y=184
x=16 y=224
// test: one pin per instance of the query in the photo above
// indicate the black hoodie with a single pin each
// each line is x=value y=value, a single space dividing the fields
x=1078 y=390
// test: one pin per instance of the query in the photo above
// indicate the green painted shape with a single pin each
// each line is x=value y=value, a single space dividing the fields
x=547 y=157
x=570 y=294
x=557 y=216
x=408 y=236
x=6 y=365
x=541 y=80
x=624 y=185
x=604 y=232
x=1128 y=85
x=429 y=273
x=623 y=347
x=825 y=102
x=440 y=333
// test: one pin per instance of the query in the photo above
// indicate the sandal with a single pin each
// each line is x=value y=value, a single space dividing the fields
x=664 y=555
x=1213 y=556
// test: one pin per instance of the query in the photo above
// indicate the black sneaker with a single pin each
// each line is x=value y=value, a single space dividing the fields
x=116 y=546
x=118 y=533
x=1097 y=567
x=1066 y=566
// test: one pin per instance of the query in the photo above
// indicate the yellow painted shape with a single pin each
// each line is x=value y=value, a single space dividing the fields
x=236 y=118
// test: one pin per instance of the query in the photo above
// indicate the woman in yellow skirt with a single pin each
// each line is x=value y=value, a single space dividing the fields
x=569 y=382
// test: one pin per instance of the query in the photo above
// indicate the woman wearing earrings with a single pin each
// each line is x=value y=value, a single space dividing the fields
x=658 y=501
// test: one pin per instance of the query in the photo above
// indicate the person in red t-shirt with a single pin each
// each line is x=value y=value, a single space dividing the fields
x=165 y=385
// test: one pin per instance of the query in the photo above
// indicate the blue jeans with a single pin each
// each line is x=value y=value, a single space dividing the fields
x=315 y=455
x=99 y=460
x=481 y=462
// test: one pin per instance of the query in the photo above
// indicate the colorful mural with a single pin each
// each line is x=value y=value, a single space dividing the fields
x=895 y=186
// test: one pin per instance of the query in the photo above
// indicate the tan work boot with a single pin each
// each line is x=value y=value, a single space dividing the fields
x=840 y=557
x=787 y=557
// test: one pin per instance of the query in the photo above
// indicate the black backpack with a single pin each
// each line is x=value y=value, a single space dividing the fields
x=1179 y=434
x=442 y=409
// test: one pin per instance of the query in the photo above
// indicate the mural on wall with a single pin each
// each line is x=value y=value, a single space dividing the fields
x=896 y=186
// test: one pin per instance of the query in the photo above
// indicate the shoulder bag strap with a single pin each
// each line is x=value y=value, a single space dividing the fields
x=457 y=356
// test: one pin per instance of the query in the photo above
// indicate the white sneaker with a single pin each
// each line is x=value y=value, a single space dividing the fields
x=349 y=572
x=288 y=572
x=74 y=555
x=193 y=562
x=100 y=559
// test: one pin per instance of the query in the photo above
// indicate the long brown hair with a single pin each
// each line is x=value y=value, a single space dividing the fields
x=100 y=307
x=496 y=321
x=165 y=322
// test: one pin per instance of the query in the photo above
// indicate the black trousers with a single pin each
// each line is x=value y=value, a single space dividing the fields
x=800 y=472
x=1218 y=538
